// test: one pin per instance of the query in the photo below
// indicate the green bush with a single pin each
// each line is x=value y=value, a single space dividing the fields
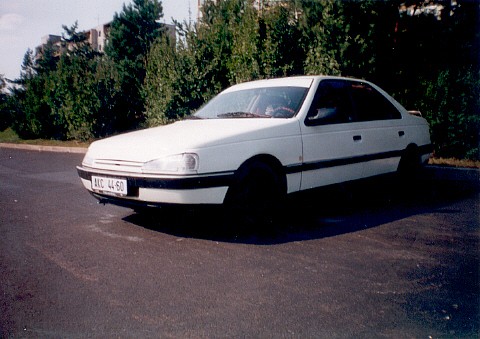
x=146 y=79
x=451 y=104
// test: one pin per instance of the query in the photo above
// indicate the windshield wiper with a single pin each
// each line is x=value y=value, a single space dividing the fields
x=242 y=115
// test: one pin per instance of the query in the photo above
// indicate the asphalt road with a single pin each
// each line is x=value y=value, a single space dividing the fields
x=368 y=260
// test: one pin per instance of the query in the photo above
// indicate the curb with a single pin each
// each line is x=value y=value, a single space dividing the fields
x=459 y=174
x=40 y=148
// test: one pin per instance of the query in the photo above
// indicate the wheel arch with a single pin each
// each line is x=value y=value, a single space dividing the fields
x=266 y=159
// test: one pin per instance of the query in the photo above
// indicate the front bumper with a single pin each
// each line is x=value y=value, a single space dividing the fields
x=154 y=191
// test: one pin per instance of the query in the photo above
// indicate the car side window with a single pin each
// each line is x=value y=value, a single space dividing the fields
x=331 y=105
x=370 y=104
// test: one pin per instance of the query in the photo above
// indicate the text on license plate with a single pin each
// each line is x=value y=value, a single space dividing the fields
x=110 y=185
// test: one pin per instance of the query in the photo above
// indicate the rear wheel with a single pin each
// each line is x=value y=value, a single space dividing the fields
x=256 y=196
x=410 y=164
x=409 y=171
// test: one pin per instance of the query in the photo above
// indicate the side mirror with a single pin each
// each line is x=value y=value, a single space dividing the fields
x=325 y=114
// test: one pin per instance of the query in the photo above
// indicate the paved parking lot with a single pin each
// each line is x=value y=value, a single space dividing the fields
x=371 y=259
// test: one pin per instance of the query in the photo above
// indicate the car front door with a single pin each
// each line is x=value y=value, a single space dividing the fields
x=332 y=140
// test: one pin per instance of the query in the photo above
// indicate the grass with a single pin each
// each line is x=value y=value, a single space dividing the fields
x=9 y=136
x=452 y=162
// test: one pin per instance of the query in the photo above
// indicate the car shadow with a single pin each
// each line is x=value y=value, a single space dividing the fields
x=319 y=213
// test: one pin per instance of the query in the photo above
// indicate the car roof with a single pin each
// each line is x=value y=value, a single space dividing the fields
x=294 y=81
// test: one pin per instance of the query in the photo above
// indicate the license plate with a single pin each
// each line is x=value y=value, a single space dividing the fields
x=109 y=185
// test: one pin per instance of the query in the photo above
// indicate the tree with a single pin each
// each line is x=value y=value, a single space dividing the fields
x=451 y=105
x=108 y=91
x=72 y=98
x=28 y=67
x=31 y=118
x=161 y=83
x=278 y=28
x=179 y=78
x=242 y=63
x=5 y=114
x=323 y=26
x=132 y=33
x=436 y=69
x=221 y=50
x=369 y=28
x=48 y=59
x=60 y=101
x=233 y=43
x=134 y=30
x=76 y=43
x=426 y=55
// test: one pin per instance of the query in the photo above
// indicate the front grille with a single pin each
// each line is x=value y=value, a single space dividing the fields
x=118 y=165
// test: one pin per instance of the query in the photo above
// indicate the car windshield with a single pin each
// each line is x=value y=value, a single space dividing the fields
x=270 y=102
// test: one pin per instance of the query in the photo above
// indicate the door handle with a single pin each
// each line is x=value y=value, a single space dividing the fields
x=357 y=137
x=401 y=133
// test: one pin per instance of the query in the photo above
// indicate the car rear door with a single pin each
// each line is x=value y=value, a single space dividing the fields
x=380 y=128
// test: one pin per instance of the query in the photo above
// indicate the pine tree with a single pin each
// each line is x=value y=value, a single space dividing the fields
x=132 y=33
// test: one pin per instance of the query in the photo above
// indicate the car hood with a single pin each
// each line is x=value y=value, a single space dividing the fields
x=188 y=136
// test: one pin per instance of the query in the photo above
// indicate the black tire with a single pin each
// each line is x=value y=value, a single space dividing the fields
x=256 y=196
x=409 y=171
x=410 y=163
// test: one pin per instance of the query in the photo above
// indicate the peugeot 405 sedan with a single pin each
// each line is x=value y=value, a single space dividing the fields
x=257 y=142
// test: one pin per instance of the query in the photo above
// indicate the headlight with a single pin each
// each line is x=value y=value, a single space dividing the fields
x=185 y=163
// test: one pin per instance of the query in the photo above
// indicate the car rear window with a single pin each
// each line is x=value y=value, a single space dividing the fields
x=369 y=104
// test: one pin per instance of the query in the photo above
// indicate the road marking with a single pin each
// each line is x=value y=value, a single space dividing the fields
x=57 y=259
x=97 y=229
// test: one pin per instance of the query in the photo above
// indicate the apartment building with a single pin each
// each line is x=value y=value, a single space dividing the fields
x=97 y=38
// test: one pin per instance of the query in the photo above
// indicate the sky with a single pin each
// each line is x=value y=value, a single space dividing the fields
x=23 y=23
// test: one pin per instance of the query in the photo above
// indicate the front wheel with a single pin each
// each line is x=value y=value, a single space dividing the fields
x=256 y=196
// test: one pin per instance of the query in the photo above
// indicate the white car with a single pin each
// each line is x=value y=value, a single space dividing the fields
x=258 y=141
